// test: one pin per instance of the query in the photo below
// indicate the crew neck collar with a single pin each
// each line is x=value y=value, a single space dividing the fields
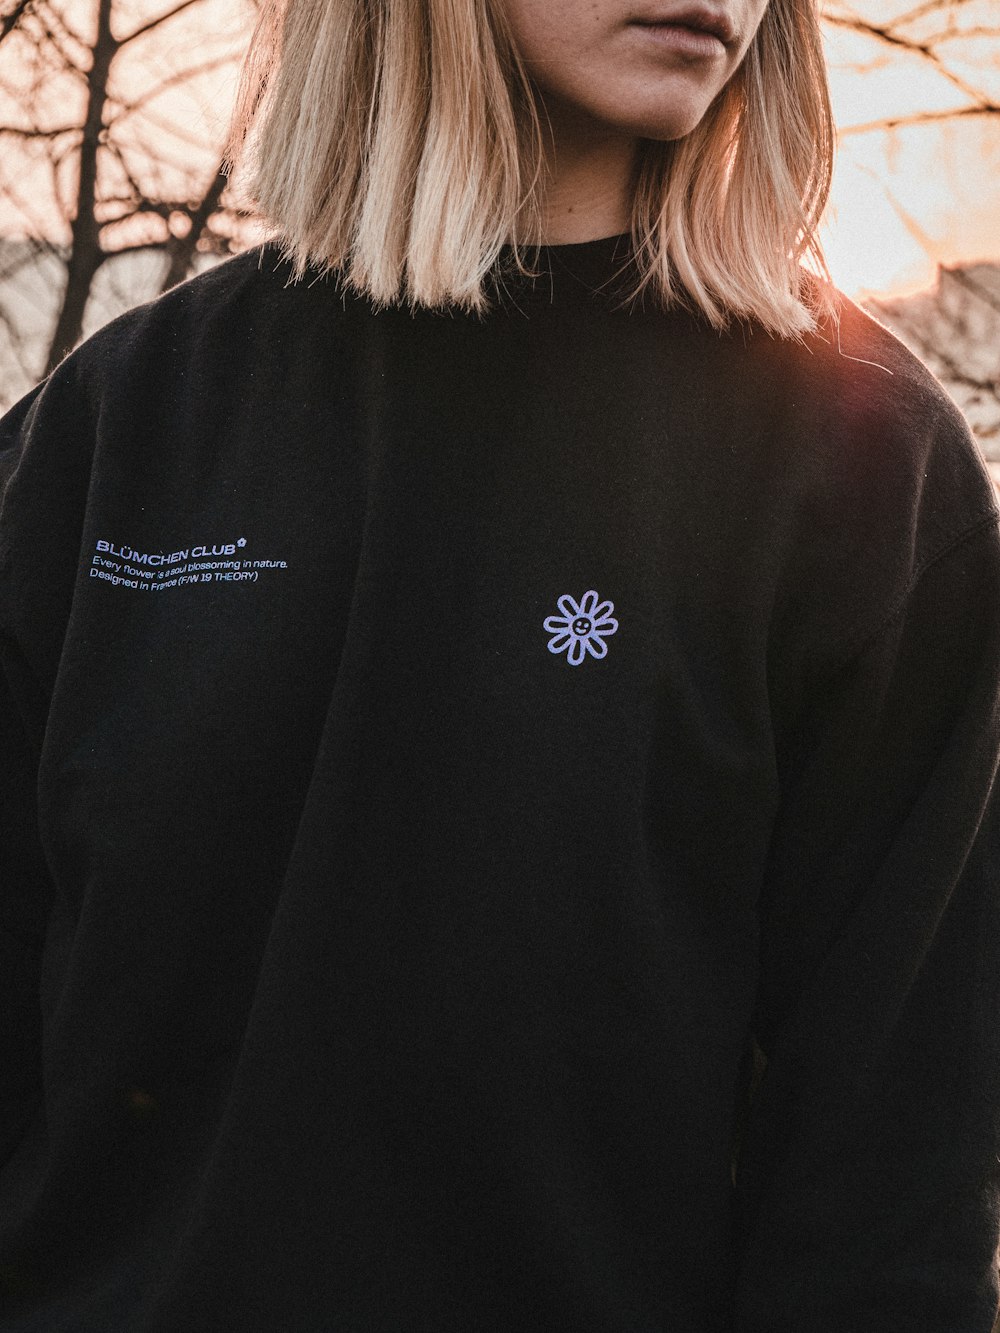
x=608 y=241
x=597 y=269
x=571 y=247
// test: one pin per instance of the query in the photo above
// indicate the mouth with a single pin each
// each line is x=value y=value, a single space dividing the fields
x=696 y=18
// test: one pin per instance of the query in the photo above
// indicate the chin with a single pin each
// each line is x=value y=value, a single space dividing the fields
x=666 y=126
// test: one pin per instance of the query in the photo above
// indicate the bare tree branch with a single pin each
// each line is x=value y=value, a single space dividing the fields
x=182 y=248
x=55 y=39
x=53 y=132
x=85 y=256
x=178 y=79
x=124 y=180
x=979 y=34
x=174 y=130
x=888 y=34
x=157 y=22
x=8 y=22
x=55 y=19
x=930 y=7
x=921 y=118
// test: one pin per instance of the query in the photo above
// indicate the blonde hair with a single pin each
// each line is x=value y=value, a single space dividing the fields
x=400 y=143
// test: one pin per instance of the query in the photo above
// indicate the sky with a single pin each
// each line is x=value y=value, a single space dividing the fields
x=902 y=202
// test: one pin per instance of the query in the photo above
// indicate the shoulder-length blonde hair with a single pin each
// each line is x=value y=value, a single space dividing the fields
x=399 y=141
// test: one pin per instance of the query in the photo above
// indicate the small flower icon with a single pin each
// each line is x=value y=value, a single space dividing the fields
x=581 y=628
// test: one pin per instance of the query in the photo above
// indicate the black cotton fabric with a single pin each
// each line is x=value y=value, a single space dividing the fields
x=500 y=828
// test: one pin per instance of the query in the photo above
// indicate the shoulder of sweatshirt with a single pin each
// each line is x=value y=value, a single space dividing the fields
x=150 y=345
x=172 y=351
x=210 y=322
x=880 y=477
x=859 y=469
x=174 y=358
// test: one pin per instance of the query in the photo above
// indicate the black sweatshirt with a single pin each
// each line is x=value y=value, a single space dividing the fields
x=445 y=758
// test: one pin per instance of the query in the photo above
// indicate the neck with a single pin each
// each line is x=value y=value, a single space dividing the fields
x=588 y=192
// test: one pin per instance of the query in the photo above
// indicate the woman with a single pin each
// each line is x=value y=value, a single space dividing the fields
x=510 y=669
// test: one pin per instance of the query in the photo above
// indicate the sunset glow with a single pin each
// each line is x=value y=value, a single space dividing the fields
x=922 y=195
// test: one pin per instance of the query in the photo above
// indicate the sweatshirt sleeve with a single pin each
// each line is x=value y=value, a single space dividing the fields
x=26 y=891
x=867 y=1185
x=25 y=900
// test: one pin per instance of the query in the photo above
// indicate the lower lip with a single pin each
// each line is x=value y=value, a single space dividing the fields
x=685 y=41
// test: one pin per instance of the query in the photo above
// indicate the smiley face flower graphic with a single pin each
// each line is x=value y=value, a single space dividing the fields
x=582 y=627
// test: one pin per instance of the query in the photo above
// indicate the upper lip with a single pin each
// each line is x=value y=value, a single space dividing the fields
x=703 y=17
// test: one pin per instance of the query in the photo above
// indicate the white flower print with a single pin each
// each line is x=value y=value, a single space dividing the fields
x=581 y=628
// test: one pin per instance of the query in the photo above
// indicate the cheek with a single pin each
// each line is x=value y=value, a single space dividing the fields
x=551 y=36
x=530 y=26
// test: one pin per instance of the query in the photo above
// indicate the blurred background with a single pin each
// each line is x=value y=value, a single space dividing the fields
x=113 y=112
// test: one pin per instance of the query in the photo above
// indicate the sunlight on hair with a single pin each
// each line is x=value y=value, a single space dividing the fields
x=402 y=146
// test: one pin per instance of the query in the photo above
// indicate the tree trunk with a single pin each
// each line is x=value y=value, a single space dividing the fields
x=85 y=256
x=182 y=248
